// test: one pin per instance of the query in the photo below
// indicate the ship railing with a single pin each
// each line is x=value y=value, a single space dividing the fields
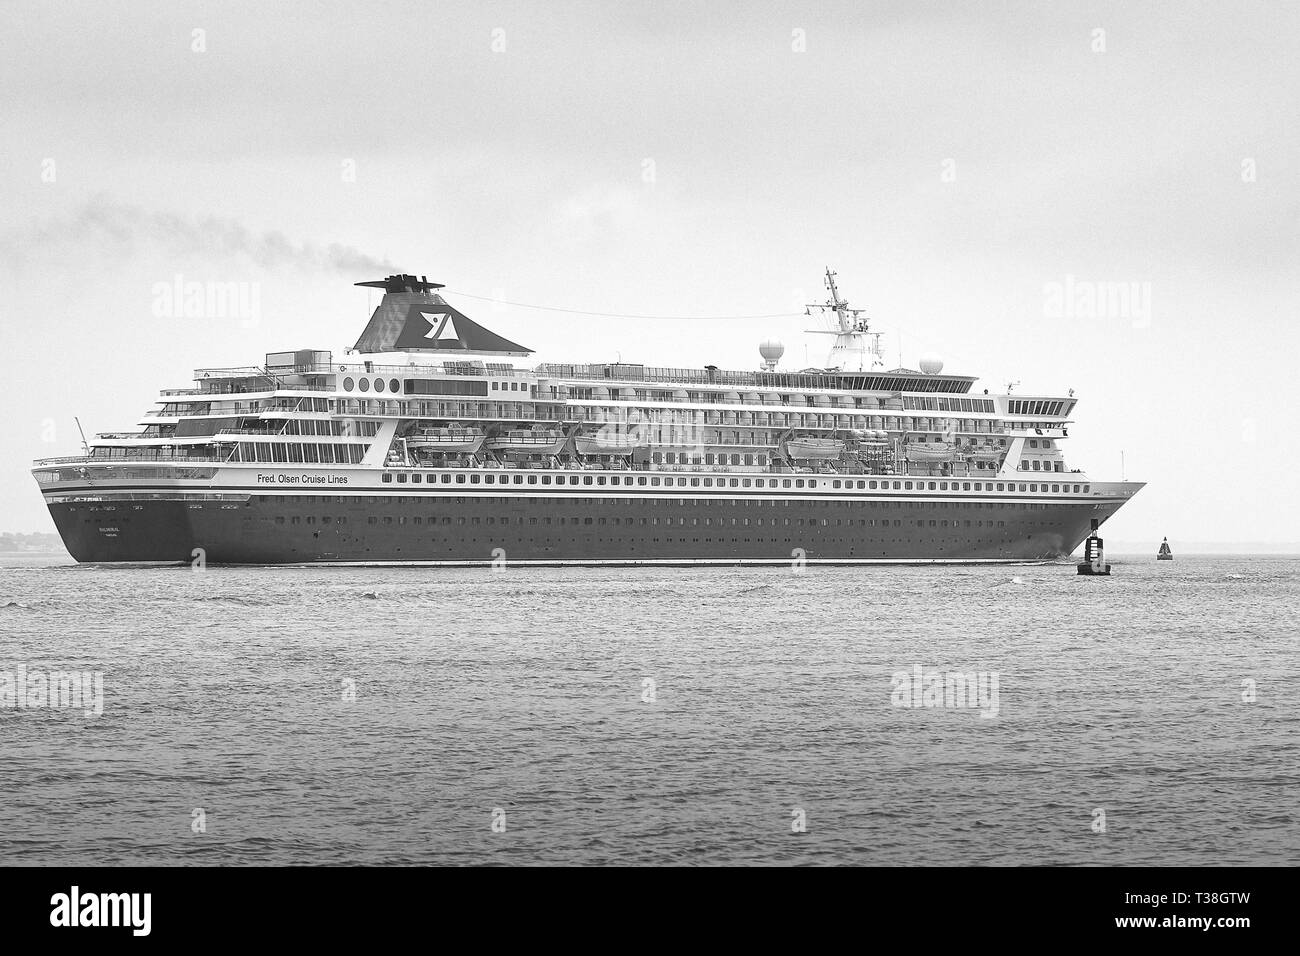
x=125 y=460
x=360 y=368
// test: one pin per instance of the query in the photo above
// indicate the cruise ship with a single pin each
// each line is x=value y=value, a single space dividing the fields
x=434 y=440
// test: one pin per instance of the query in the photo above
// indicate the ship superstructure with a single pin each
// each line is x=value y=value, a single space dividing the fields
x=432 y=440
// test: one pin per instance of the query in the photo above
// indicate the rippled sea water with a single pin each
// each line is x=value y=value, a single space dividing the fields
x=526 y=691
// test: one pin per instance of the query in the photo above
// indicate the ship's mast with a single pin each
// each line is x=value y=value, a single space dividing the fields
x=854 y=342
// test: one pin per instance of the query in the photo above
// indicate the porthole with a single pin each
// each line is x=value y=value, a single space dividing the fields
x=347 y=384
x=364 y=384
x=394 y=386
x=379 y=385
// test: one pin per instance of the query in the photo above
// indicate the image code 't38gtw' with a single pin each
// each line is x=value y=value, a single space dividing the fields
x=432 y=441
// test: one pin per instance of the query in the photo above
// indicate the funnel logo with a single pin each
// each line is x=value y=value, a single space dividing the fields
x=437 y=325
x=430 y=328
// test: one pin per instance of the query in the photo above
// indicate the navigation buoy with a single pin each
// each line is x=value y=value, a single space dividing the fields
x=1094 y=555
x=1164 y=554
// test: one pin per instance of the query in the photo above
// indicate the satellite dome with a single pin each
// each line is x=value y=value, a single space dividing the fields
x=931 y=364
x=771 y=350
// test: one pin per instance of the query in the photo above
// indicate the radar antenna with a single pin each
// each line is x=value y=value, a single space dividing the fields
x=854 y=340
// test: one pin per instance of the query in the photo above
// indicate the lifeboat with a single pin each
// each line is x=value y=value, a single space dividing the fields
x=542 y=441
x=929 y=451
x=609 y=441
x=451 y=439
x=809 y=447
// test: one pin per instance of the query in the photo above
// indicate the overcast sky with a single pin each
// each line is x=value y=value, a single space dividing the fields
x=951 y=161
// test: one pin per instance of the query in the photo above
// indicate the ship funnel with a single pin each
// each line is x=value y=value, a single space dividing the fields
x=413 y=317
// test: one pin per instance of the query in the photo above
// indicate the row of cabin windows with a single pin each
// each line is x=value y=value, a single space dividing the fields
x=655 y=521
x=757 y=503
x=302 y=452
x=861 y=484
x=1037 y=465
x=676 y=458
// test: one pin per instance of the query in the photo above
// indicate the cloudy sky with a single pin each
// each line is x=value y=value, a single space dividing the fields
x=955 y=163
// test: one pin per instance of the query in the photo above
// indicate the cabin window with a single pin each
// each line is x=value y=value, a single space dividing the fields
x=386 y=478
x=401 y=479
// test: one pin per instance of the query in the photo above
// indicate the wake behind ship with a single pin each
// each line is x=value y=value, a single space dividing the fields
x=432 y=442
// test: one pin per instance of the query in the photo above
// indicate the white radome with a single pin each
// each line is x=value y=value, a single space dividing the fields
x=771 y=350
x=931 y=364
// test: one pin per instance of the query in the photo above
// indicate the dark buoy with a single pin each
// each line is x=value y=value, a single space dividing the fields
x=1164 y=554
x=1094 y=555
